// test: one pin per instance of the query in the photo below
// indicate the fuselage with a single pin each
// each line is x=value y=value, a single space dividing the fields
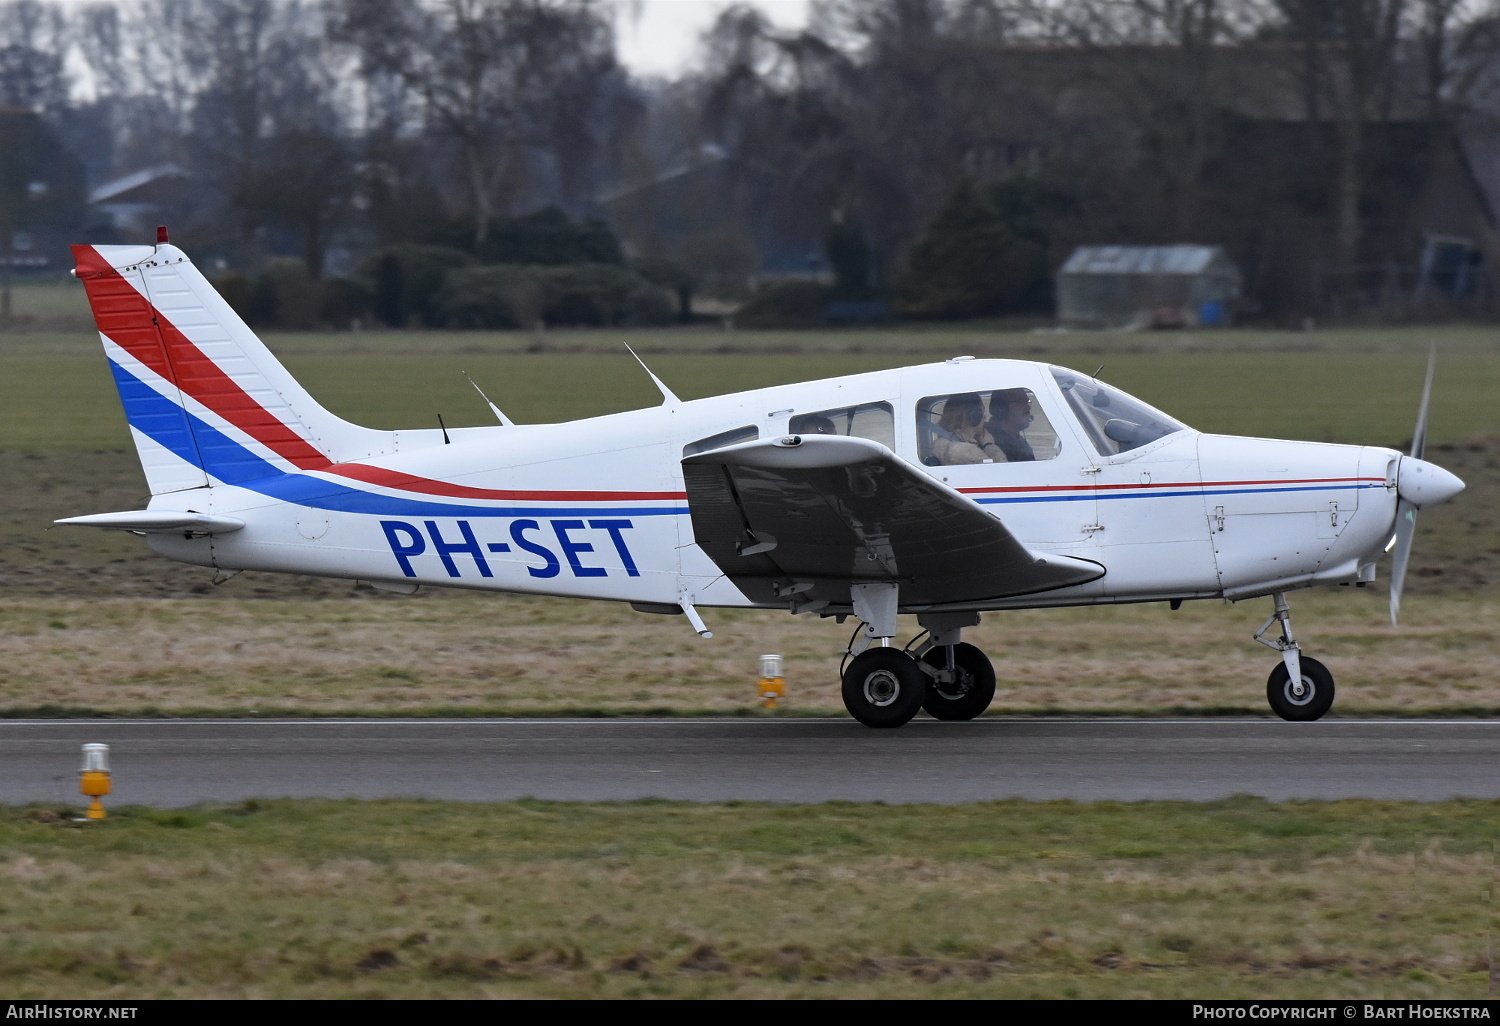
x=597 y=508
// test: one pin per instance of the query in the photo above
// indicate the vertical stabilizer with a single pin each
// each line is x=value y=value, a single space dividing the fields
x=205 y=399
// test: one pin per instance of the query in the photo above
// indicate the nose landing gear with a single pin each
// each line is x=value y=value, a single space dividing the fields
x=1300 y=688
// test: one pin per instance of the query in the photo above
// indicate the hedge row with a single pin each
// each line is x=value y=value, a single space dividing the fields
x=439 y=287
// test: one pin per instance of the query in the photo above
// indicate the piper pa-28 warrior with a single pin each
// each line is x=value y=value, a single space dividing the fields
x=943 y=491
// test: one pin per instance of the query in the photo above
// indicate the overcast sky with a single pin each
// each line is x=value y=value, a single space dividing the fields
x=662 y=39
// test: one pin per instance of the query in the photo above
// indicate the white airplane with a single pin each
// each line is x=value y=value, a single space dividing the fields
x=942 y=491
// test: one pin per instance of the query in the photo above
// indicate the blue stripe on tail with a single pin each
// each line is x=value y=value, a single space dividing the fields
x=155 y=417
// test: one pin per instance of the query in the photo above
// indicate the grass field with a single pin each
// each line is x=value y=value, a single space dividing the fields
x=473 y=655
x=1229 y=899
x=48 y=303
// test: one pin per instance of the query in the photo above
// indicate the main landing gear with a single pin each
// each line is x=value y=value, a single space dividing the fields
x=885 y=687
x=1300 y=687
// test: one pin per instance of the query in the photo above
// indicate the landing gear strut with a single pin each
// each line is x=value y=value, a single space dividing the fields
x=961 y=684
x=1300 y=688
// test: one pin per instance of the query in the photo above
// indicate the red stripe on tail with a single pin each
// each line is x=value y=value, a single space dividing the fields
x=129 y=320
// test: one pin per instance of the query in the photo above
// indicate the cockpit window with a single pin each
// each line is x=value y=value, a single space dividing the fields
x=1006 y=425
x=723 y=438
x=875 y=421
x=1115 y=422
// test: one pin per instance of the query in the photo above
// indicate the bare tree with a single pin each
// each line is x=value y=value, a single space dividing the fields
x=504 y=81
x=33 y=48
x=245 y=94
x=33 y=83
x=1350 y=56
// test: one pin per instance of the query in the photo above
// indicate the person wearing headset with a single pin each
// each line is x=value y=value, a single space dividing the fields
x=961 y=437
x=1010 y=414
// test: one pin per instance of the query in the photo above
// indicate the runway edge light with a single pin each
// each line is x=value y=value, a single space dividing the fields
x=772 y=684
x=94 y=778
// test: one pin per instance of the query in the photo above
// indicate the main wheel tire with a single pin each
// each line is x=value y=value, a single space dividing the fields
x=883 y=687
x=969 y=695
x=1316 y=697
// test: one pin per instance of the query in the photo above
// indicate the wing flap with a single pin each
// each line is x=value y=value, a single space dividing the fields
x=811 y=515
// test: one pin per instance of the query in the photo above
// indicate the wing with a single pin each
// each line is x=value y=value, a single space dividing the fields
x=802 y=519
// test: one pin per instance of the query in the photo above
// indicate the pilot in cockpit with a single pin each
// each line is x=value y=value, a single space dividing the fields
x=960 y=436
x=812 y=424
x=1010 y=414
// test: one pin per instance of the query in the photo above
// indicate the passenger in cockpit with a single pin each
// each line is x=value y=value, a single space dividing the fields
x=960 y=435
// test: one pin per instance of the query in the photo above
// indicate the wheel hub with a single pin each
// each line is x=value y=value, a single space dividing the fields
x=1301 y=692
x=882 y=688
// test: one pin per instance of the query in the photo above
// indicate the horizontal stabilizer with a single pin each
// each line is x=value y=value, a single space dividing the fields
x=149 y=520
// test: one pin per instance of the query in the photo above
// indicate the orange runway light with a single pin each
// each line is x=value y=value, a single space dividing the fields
x=772 y=683
x=94 y=778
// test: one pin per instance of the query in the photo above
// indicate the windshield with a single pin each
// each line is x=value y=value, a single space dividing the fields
x=1115 y=422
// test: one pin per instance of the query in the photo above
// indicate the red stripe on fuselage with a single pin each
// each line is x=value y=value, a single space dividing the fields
x=406 y=482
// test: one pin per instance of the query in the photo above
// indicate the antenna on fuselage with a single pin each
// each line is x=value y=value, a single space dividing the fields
x=666 y=393
x=502 y=418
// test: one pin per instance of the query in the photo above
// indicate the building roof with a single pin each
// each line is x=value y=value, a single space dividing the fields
x=1181 y=259
x=118 y=190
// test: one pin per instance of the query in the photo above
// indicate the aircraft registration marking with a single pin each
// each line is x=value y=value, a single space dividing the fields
x=407 y=540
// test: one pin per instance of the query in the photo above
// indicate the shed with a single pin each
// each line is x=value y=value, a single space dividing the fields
x=1147 y=286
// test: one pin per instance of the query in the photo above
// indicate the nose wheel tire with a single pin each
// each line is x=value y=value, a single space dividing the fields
x=883 y=687
x=1311 y=701
x=969 y=693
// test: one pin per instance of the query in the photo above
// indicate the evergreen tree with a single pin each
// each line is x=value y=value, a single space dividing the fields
x=971 y=262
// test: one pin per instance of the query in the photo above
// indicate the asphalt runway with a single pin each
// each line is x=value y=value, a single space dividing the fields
x=175 y=763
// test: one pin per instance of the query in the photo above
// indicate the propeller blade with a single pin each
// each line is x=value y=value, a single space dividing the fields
x=1406 y=512
x=1406 y=527
x=1419 y=434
